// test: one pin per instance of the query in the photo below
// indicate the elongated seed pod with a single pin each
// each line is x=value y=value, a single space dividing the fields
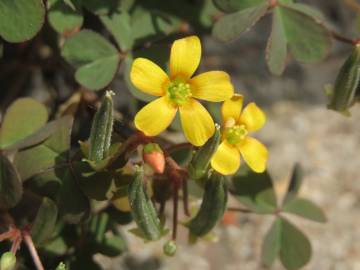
x=346 y=84
x=101 y=129
x=142 y=209
x=212 y=207
x=199 y=164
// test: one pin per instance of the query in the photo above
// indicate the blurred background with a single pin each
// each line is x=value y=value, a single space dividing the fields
x=299 y=129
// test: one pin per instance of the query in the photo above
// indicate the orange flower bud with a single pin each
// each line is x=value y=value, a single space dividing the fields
x=154 y=157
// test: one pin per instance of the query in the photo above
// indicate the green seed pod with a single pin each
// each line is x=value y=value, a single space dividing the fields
x=7 y=261
x=199 y=164
x=142 y=209
x=342 y=96
x=212 y=207
x=101 y=129
x=169 y=248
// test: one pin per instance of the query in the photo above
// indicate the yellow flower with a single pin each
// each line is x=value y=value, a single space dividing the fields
x=178 y=90
x=235 y=139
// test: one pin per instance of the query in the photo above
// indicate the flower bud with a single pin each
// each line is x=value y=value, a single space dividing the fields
x=169 y=248
x=7 y=261
x=154 y=157
x=343 y=95
x=199 y=164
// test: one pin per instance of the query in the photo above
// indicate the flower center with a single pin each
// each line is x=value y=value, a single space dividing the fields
x=235 y=134
x=178 y=92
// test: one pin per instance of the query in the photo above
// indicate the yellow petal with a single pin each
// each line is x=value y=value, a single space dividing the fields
x=252 y=117
x=196 y=122
x=148 y=77
x=231 y=108
x=226 y=159
x=155 y=117
x=212 y=86
x=185 y=57
x=254 y=153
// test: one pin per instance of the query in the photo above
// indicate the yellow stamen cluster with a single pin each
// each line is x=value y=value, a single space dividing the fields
x=235 y=134
x=178 y=92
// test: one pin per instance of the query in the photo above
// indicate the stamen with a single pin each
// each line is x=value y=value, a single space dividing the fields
x=178 y=92
x=235 y=134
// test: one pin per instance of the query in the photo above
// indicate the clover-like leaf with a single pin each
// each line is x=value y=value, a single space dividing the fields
x=51 y=152
x=288 y=242
x=276 y=50
x=21 y=20
x=305 y=208
x=44 y=223
x=231 y=26
x=308 y=40
x=22 y=118
x=96 y=60
x=235 y=5
x=63 y=18
x=272 y=243
x=11 y=189
x=295 y=251
x=254 y=190
x=119 y=25
x=295 y=183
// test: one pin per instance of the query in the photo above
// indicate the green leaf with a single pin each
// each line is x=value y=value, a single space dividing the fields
x=44 y=223
x=272 y=244
x=254 y=190
x=308 y=10
x=276 y=50
x=231 y=26
x=98 y=7
x=96 y=185
x=96 y=62
x=73 y=205
x=235 y=5
x=149 y=24
x=295 y=251
x=295 y=183
x=53 y=151
x=22 y=118
x=11 y=189
x=112 y=246
x=119 y=26
x=309 y=41
x=305 y=208
x=21 y=20
x=285 y=240
x=63 y=18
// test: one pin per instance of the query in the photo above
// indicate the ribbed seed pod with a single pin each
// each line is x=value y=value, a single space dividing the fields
x=199 y=164
x=342 y=96
x=142 y=209
x=101 y=129
x=212 y=207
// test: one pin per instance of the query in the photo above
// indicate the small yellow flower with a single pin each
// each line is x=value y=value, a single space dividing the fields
x=235 y=139
x=178 y=90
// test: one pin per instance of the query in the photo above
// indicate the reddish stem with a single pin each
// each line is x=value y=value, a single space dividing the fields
x=30 y=244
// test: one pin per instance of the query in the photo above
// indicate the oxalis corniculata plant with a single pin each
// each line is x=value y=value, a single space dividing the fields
x=67 y=190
